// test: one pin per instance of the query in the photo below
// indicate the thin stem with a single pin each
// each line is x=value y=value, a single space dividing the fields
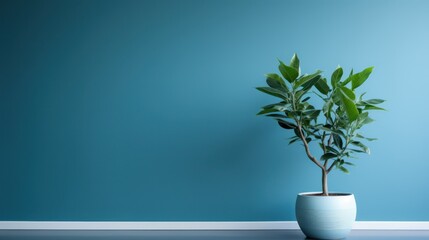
x=323 y=142
x=325 y=165
x=307 y=149
x=332 y=165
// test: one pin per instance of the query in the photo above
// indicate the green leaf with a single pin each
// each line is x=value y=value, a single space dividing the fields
x=374 y=101
x=285 y=124
x=367 y=120
x=305 y=99
x=356 y=150
x=361 y=77
x=299 y=94
x=338 y=141
x=277 y=107
x=331 y=149
x=336 y=76
x=350 y=107
x=294 y=62
x=327 y=107
x=276 y=115
x=369 y=139
x=322 y=86
x=289 y=73
x=274 y=92
x=294 y=139
x=372 y=107
x=311 y=114
x=311 y=79
x=361 y=146
x=327 y=156
x=343 y=169
x=329 y=129
x=275 y=81
x=296 y=130
x=308 y=85
x=361 y=96
x=348 y=93
x=268 y=110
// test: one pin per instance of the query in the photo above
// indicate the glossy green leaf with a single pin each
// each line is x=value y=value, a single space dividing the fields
x=348 y=93
x=311 y=114
x=374 y=101
x=322 y=86
x=305 y=99
x=299 y=94
x=294 y=62
x=350 y=108
x=363 y=115
x=338 y=141
x=367 y=120
x=268 y=110
x=327 y=156
x=286 y=124
x=273 y=92
x=331 y=149
x=369 y=139
x=361 y=96
x=327 y=107
x=310 y=79
x=359 y=78
x=289 y=73
x=275 y=81
x=361 y=146
x=308 y=85
x=372 y=107
x=343 y=169
x=294 y=139
x=330 y=130
x=356 y=150
x=296 y=131
x=336 y=76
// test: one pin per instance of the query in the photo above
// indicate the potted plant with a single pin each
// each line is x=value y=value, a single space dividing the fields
x=333 y=124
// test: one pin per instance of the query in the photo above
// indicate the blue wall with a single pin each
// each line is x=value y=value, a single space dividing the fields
x=145 y=110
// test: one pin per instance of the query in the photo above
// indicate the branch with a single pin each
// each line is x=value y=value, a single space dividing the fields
x=332 y=165
x=307 y=149
x=323 y=142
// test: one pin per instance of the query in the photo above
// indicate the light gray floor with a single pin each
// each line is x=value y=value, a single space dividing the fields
x=200 y=235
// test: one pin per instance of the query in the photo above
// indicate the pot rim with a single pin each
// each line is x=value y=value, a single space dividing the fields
x=340 y=194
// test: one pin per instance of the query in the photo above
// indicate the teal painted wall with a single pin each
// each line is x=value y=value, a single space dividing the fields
x=145 y=110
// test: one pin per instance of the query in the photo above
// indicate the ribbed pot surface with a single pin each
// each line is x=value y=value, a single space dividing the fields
x=325 y=217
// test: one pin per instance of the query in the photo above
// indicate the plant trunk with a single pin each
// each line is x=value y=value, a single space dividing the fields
x=325 y=182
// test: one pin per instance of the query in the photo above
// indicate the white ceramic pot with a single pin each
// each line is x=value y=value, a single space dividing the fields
x=325 y=217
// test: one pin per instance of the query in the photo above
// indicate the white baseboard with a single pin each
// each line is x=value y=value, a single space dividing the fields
x=148 y=225
x=268 y=225
x=391 y=225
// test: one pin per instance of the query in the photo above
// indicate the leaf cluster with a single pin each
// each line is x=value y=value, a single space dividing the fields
x=335 y=124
